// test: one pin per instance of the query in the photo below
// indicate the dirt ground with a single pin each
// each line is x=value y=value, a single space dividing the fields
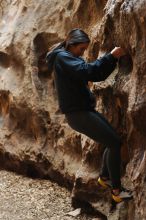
x=23 y=198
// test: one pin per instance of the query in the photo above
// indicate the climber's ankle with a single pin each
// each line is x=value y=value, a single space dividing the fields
x=104 y=177
x=116 y=191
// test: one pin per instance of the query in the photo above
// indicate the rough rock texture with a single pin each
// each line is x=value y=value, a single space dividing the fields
x=34 y=137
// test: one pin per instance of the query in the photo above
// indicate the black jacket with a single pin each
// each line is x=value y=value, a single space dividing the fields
x=72 y=75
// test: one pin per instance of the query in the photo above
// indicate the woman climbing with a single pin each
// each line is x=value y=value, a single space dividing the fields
x=78 y=103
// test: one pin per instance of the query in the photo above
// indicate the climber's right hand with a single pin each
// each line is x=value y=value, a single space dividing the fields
x=117 y=52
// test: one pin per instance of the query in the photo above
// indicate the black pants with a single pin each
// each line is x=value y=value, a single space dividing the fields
x=96 y=127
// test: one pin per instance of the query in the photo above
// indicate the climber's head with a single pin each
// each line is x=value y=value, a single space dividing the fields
x=77 y=42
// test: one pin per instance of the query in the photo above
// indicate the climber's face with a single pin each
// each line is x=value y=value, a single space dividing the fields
x=79 y=49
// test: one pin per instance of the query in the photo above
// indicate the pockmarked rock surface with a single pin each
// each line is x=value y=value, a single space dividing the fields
x=35 y=138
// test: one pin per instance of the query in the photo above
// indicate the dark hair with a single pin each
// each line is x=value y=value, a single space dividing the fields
x=74 y=37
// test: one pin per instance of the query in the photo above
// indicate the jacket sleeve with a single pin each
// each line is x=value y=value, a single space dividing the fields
x=95 y=71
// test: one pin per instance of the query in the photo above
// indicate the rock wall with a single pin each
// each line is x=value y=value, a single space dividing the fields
x=35 y=138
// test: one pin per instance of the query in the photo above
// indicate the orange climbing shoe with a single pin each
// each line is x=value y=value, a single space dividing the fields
x=104 y=183
x=123 y=195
